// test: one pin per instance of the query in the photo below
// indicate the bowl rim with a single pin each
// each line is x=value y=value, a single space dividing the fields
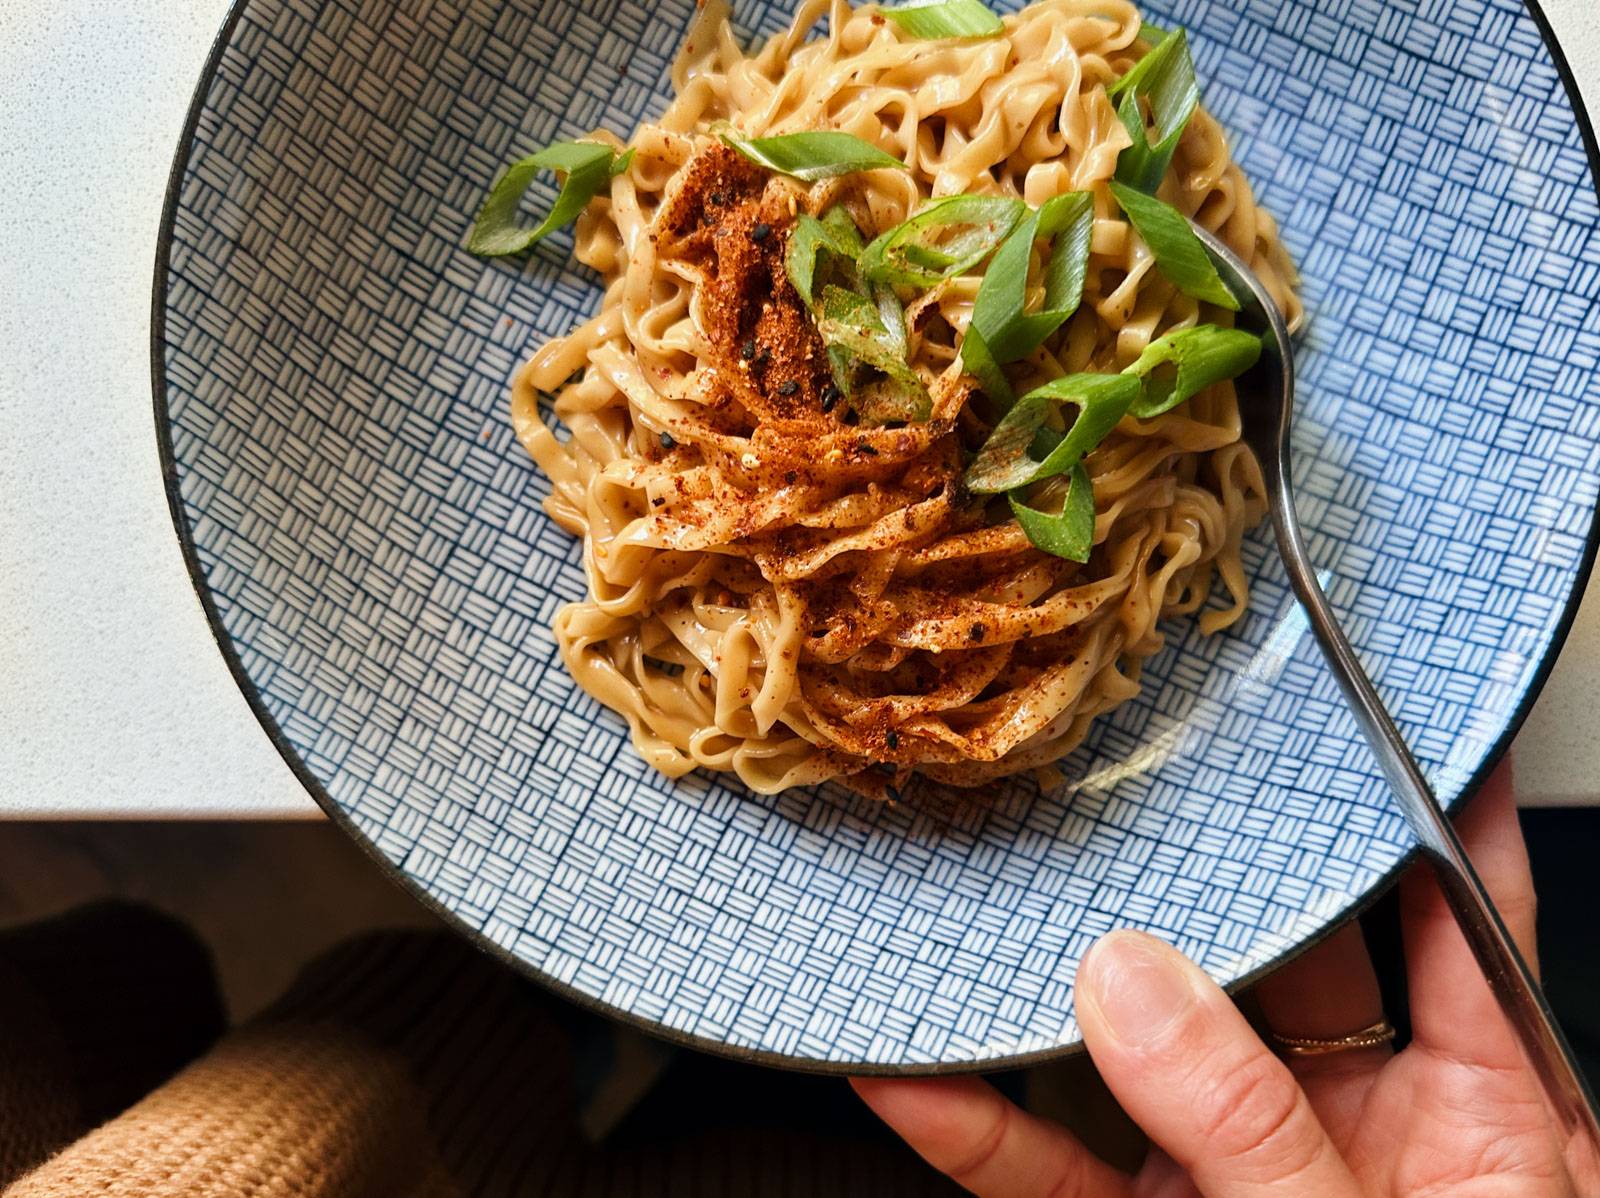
x=738 y=1052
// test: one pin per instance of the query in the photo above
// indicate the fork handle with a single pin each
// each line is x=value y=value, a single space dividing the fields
x=1511 y=981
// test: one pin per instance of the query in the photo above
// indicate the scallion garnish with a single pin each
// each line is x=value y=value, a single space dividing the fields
x=1008 y=458
x=947 y=238
x=980 y=363
x=834 y=235
x=852 y=324
x=1178 y=252
x=893 y=315
x=587 y=166
x=815 y=155
x=1201 y=355
x=1069 y=534
x=1163 y=78
x=843 y=226
x=1152 y=32
x=1000 y=331
x=833 y=244
x=931 y=19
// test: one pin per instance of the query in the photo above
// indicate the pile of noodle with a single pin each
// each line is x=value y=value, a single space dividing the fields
x=767 y=596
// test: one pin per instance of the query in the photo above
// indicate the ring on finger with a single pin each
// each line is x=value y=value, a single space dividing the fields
x=1370 y=1036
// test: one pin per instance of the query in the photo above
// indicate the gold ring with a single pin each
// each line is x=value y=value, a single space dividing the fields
x=1371 y=1036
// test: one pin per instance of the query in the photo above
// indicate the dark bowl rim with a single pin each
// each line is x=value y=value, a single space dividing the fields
x=754 y=1056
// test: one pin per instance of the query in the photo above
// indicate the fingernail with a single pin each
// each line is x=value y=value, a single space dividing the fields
x=1136 y=985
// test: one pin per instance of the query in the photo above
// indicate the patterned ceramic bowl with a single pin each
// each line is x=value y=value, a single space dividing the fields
x=331 y=376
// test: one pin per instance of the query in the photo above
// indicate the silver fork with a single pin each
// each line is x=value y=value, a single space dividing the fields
x=1266 y=402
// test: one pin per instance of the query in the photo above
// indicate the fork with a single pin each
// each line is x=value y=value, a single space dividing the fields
x=1266 y=403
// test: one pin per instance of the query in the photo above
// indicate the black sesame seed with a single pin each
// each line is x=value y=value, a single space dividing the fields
x=761 y=232
x=788 y=387
x=977 y=632
x=719 y=197
x=830 y=396
x=747 y=350
x=666 y=441
x=789 y=476
x=866 y=449
x=892 y=739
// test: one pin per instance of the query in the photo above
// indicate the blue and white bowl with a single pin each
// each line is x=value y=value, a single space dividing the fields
x=331 y=371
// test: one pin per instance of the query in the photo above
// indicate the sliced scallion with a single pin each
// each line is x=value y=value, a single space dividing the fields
x=979 y=362
x=948 y=237
x=821 y=154
x=1068 y=534
x=1000 y=331
x=931 y=19
x=1164 y=79
x=1151 y=32
x=1178 y=252
x=893 y=315
x=588 y=166
x=843 y=227
x=834 y=235
x=1008 y=459
x=1200 y=356
x=851 y=324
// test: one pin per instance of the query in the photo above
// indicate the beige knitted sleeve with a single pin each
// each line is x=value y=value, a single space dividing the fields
x=279 y=1110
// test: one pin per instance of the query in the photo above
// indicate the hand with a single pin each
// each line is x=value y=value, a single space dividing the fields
x=1457 y=1112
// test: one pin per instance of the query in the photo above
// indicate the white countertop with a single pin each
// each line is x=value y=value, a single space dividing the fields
x=114 y=701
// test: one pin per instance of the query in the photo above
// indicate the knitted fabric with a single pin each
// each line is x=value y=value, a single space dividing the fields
x=265 y=1115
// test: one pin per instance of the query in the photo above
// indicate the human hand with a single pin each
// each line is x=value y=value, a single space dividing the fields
x=1457 y=1111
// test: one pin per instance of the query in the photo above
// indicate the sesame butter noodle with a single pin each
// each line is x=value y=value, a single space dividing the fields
x=776 y=592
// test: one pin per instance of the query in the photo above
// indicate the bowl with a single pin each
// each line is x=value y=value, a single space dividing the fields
x=366 y=535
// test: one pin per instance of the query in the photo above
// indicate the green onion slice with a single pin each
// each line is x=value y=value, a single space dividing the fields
x=842 y=366
x=979 y=362
x=588 y=166
x=1069 y=534
x=1164 y=79
x=1008 y=460
x=1201 y=355
x=835 y=235
x=1177 y=250
x=1000 y=331
x=893 y=315
x=947 y=238
x=853 y=325
x=814 y=155
x=944 y=18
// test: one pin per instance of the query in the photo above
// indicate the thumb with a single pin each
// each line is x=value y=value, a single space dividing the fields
x=1189 y=1070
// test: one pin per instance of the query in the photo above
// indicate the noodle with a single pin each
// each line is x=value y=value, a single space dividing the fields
x=775 y=592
